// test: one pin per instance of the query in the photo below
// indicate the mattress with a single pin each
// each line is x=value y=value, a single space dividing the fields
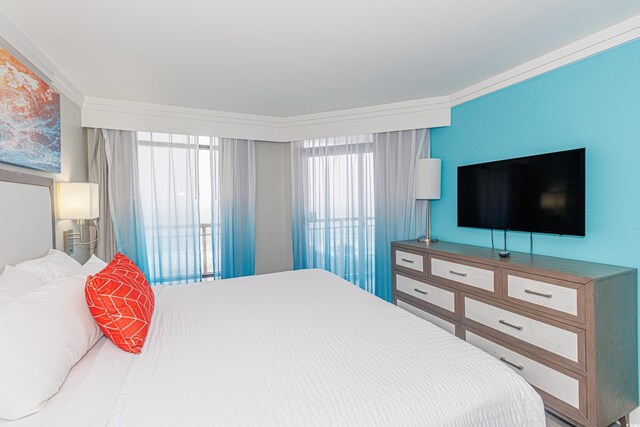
x=294 y=348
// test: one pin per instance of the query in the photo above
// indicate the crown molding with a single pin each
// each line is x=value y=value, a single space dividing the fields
x=608 y=38
x=21 y=45
x=396 y=108
x=94 y=103
x=418 y=113
x=130 y=115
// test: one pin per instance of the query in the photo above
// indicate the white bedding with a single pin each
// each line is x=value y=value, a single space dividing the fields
x=88 y=394
x=294 y=348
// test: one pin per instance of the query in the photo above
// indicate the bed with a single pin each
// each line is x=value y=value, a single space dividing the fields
x=292 y=348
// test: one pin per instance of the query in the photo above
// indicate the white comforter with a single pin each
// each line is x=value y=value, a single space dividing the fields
x=298 y=348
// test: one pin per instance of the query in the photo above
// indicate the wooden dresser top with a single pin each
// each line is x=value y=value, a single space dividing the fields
x=520 y=259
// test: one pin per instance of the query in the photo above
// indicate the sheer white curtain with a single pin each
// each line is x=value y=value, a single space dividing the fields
x=351 y=197
x=181 y=206
x=395 y=155
x=333 y=207
x=198 y=198
x=169 y=189
x=123 y=193
x=99 y=174
x=237 y=206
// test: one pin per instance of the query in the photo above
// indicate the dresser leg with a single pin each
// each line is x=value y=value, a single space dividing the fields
x=623 y=421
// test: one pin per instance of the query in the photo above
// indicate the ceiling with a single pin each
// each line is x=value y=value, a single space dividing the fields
x=291 y=57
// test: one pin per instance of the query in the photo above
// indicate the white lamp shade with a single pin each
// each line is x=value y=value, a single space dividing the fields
x=78 y=200
x=428 y=179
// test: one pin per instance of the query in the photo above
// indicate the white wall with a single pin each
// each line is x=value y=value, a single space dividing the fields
x=273 y=207
x=74 y=163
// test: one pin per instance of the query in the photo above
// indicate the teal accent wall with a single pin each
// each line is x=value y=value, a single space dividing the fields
x=593 y=103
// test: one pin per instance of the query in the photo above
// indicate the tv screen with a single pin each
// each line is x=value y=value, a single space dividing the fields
x=541 y=194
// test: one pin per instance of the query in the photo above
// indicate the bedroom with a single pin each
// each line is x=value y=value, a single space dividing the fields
x=276 y=152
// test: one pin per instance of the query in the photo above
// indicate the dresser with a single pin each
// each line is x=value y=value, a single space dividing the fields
x=568 y=327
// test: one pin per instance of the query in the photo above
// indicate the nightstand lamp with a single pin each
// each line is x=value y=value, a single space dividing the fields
x=428 y=188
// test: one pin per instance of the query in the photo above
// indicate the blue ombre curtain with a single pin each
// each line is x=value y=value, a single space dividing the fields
x=237 y=207
x=395 y=155
x=168 y=181
x=333 y=222
x=121 y=181
x=351 y=197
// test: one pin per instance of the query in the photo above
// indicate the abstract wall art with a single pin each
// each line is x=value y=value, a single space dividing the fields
x=29 y=117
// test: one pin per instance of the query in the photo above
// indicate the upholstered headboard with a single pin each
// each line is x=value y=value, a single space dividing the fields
x=26 y=217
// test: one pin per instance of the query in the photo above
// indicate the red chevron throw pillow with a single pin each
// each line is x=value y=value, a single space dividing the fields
x=121 y=301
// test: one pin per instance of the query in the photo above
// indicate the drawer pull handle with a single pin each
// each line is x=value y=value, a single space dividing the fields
x=421 y=291
x=410 y=261
x=539 y=294
x=510 y=325
x=457 y=273
x=518 y=367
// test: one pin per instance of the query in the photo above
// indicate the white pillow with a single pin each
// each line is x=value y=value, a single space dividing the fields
x=91 y=267
x=55 y=265
x=15 y=282
x=42 y=335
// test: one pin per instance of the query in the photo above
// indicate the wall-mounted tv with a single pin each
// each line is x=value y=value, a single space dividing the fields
x=541 y=194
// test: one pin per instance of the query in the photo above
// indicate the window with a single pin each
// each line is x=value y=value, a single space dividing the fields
x=335 y=182
x=185 y=169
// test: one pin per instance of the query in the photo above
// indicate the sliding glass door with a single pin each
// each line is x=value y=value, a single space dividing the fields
x=334 y=207
x=179 y=186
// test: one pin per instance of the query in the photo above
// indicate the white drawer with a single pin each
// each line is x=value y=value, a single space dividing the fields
x=431 y=294
x=473 y=276
x=553 y=382
x=548 y=337
x=410 y=260
x=544 y=294
x=438 y=321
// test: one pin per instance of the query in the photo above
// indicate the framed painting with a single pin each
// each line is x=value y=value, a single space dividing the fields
x=29 y=117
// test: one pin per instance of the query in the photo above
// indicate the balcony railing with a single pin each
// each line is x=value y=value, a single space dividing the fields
x=159 y=239
x=211 y=260
x=351 y=247
x=351 y=242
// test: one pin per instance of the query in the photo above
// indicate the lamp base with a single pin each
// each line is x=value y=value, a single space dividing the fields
x=425 y=239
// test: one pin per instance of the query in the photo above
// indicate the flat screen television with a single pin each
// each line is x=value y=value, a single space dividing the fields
x=540 y=194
